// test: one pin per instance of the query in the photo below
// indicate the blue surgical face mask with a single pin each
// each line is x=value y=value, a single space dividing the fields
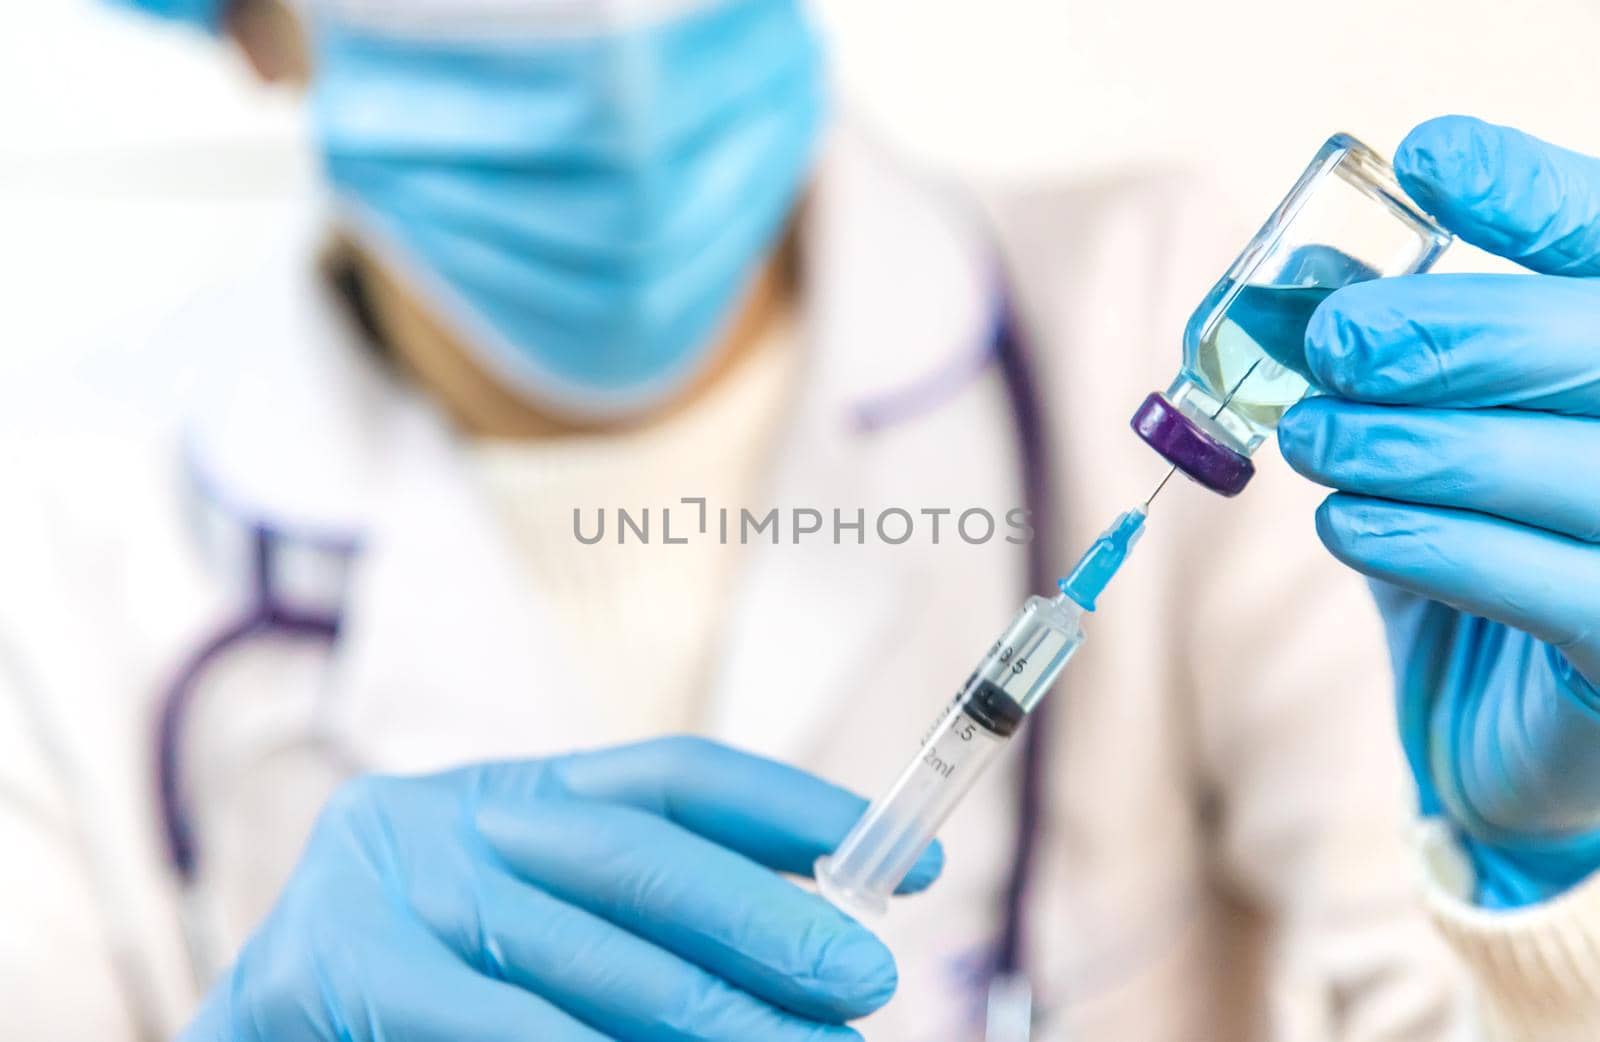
x=205 y=14
x=583 y=207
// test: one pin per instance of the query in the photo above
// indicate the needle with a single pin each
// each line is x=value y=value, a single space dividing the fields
x=1151 y=498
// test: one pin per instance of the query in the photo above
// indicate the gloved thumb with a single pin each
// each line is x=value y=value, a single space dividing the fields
x=1506 y=191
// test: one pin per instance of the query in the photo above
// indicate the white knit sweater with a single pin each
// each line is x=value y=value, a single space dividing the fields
x=637 y=610
x=1537 y=969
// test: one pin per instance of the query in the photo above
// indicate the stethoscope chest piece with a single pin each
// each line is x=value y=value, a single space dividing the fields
x=1009 y=1014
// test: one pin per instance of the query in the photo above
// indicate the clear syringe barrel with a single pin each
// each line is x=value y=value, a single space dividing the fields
x=1017 y=672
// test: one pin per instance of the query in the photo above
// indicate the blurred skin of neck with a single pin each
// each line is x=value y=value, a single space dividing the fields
x=273 y=43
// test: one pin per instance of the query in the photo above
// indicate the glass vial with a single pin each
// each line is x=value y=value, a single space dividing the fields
x=1345 y=220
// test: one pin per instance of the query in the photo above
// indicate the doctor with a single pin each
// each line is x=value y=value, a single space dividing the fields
x=580 y=263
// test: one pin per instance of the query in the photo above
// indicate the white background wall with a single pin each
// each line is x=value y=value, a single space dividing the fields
x=137 y=162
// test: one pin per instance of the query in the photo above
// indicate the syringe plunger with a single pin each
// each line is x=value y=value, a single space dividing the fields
x=878 y=853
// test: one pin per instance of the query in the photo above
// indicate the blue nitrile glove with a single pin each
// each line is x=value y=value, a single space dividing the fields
x=626 y=894
x=1465 y=442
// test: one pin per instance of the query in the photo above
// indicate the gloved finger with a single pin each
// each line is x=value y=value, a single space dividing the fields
x=371 y=969
x=431 y=996
x=697 y=899
x=608 y=977
x=1461 y=340
x=1531 y=580
x=777 y=815
x=1512 y=464
x=1506 y=191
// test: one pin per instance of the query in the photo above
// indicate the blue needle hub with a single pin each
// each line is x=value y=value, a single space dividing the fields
x=1101 y=562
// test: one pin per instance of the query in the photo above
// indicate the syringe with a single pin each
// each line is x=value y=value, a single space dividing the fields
x=1010 y=681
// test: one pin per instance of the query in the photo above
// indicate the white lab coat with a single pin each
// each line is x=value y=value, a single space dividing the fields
x=1224 y=855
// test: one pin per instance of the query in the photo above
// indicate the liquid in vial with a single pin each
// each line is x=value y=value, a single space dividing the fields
x=1254 y=350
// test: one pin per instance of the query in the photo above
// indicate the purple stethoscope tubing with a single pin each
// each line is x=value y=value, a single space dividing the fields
x=1007 y=349
x=1039 y=497
x=264 y=616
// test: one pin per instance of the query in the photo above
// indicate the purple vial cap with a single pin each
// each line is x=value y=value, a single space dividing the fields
x=1186 y=446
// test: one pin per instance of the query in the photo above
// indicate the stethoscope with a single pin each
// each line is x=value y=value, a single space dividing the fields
x=278 y=606
x=271 y=612
x=1010 y=1012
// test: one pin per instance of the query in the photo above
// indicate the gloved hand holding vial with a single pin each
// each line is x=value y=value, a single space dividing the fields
x=1344 y=221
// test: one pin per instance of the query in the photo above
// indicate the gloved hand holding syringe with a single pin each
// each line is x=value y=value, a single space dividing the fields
x=1344 y=221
